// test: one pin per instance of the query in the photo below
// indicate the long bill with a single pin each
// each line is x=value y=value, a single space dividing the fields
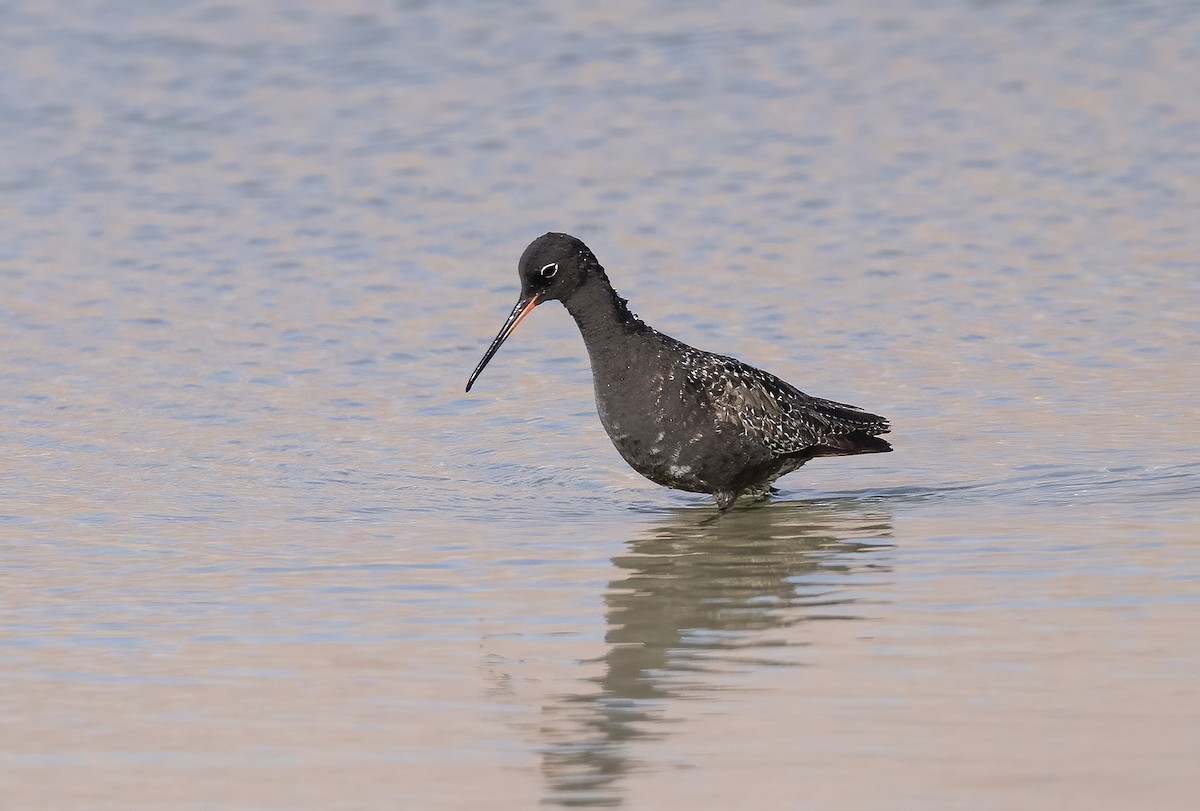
x=519 y=312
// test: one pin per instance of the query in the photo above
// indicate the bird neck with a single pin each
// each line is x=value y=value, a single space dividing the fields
x=602 y=315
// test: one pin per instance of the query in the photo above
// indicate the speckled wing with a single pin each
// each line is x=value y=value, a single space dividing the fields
x=785 y=419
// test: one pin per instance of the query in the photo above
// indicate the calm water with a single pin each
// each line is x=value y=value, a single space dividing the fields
x=259 y=551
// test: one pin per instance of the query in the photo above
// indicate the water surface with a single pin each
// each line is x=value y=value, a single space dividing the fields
x=259 y=550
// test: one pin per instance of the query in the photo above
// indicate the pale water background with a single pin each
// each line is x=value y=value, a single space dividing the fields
x=259 y=551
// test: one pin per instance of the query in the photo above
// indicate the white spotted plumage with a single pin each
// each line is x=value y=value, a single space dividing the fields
x=783 y=418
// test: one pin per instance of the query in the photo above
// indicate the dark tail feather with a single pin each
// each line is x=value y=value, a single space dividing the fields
x=852 y=443
x=858 y=431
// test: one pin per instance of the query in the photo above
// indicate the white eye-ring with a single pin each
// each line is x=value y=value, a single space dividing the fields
x=549 y=270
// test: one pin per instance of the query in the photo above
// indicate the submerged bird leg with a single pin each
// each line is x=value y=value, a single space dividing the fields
x=725 y=499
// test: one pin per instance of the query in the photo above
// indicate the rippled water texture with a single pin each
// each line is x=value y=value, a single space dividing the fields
x=260 y=551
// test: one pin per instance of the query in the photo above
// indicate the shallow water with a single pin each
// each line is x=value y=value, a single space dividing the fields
x=261 y=551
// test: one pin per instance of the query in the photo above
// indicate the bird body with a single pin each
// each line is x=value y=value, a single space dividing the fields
x=680 y=416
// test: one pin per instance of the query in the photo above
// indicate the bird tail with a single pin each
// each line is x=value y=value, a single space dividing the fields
x=851 y=430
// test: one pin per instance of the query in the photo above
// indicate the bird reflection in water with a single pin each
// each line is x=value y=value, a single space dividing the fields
x=695 y=600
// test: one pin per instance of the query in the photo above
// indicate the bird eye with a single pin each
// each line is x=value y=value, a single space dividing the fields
x=549 y=270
